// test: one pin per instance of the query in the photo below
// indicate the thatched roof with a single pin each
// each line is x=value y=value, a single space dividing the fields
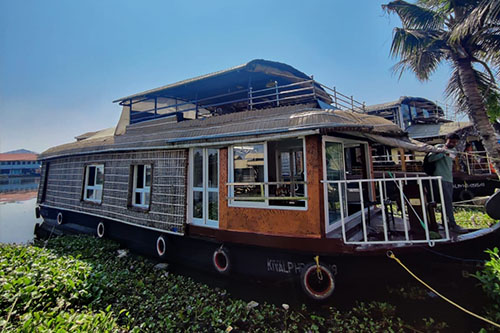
x=165 y=133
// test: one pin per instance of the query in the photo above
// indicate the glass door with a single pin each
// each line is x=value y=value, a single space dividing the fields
x=335 y=193
x=205 y=187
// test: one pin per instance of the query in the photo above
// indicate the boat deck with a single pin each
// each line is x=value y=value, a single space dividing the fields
x=375 y=228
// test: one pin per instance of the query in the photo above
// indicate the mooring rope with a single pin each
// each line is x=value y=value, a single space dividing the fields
x=391 y=255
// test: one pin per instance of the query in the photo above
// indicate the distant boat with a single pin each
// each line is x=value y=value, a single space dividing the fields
x=425 y=121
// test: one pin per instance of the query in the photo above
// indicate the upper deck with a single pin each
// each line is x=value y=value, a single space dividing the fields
x=258 y=84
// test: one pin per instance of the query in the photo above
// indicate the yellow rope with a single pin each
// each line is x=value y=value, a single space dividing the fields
x=318 y=269
x=391 y=255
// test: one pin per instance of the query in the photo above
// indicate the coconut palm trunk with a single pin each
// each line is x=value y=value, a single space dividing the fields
x=477 y=110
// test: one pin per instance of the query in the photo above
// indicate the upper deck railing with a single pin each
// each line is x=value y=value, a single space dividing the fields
x=471 y=163
x=245 y=99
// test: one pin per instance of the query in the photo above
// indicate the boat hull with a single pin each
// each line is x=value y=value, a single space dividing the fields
x=268 y=262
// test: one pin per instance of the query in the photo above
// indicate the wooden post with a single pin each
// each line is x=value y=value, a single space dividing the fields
x=402 y=159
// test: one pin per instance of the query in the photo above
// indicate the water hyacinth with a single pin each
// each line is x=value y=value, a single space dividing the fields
x=79 y=283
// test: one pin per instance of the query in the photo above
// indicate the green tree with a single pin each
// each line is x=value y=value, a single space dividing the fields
x=466 y=35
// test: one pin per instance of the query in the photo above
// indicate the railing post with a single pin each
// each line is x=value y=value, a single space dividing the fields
x=424 y=210
x=313 y=87
x=362 y=201
x=468 y=164
x=403 y=209
x=277 y=93
x=444 y=217
x=156 y=106
x=342 y=212
x=352 y=103
x=431 y=185
x=335 y=97
x=382 y=207
x=250 y=98
x=488 y=162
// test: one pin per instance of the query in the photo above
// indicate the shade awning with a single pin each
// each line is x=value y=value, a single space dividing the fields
x=405 y=143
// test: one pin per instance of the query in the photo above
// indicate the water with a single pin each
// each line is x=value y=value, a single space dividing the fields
x=17 y=209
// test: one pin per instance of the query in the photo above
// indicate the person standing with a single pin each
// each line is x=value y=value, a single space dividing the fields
x=443 y=166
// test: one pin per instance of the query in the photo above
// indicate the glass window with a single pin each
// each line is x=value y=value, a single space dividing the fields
x=141 y=189
x=213 y=174
x=204 y=167
x=198 y=168
x=269 y=174
x=286 y=172
x=94 y=179
x=414 y=112
x=248 y=168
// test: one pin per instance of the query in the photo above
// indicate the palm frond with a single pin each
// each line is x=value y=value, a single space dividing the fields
x=423 y=63
x=443 y=7
x=493 y=9
x=455 y=91
x=473 y=23
x=407 y=41
x=415 y=17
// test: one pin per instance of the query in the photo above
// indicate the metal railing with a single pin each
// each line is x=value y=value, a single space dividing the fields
x=341 y=101
x=249 y=99
x=383 y=199
x=264 y=191
x=390 y=158
x=477 y=162
x=472 y=163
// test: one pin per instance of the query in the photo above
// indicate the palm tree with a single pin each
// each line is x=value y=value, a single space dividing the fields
x=466 y=35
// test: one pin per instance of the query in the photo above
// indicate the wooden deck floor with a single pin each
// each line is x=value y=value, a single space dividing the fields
x=375 y=228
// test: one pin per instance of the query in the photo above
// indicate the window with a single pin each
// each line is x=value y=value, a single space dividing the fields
x=94 y=178
x=268 y=174
x=204 y=179
x=248 y=167
x=141 y=185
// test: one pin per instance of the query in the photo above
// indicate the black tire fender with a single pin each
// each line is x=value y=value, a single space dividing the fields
x=161 y=247
x=317 y=281
x=101 y=230
x=59 y=218
x=466 y=195
x=221 y=260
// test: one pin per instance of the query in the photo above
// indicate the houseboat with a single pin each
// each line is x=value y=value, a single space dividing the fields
x=257 y=170
x=425 y=121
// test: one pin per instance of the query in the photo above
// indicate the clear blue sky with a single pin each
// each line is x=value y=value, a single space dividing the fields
x=63 y=62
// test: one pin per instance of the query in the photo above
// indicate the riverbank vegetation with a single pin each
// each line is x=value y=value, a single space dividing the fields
x=489 y=277
x=81 y=284
x=77 y=283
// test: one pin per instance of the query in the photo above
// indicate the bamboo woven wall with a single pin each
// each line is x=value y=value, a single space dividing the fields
x=167 y=210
